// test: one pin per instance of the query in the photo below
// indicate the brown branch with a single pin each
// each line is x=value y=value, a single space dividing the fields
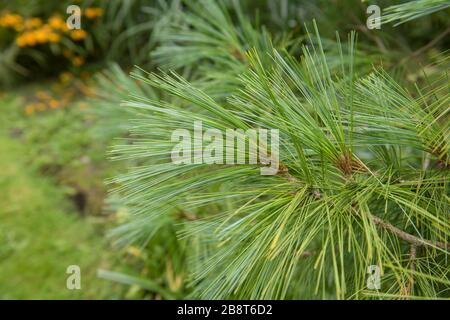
x=407 y=290
x=431 y=43
x=408 y=237
x=284 y=172
x=379 y=43
x=413 y=240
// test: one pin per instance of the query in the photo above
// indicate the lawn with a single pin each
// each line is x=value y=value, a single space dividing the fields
x=41 y=232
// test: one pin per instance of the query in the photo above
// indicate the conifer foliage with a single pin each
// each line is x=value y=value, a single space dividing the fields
x=363 y=175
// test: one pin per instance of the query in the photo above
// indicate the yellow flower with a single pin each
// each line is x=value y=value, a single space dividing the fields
x=78 y=34
x=92 y=13
x=21 y=41
x=54 y=37
x=40 y=35
x=78 y=61
x=57 y=23
x=26 y=39
x=33 y=23
x=11 y=21
x=31 y=40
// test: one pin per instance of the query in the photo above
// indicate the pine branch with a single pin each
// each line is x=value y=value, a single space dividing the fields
x=358 y=139
x=413 y=240
x=411 y=10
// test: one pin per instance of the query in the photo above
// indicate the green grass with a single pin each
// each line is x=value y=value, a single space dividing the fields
x=41 y=233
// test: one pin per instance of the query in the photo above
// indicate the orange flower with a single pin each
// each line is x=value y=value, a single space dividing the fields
x=33 y=23
x=92 y=13
x=11 y=21
x=57 y=23
x=26 y=39
x=78 y=35
x=40 y=35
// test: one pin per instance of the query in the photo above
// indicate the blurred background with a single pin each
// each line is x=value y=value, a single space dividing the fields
x=60 y=94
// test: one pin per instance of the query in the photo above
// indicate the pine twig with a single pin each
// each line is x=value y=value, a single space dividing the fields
x=407 y=290
x=432 y=43
x=413 y=240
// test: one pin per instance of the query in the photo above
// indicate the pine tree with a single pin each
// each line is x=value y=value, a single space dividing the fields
x=362 y=182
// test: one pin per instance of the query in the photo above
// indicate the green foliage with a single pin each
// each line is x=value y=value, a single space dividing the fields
x=364 y=171
x=411 y=10
x=109 y=117
x=119 y=31
x=364 y=147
